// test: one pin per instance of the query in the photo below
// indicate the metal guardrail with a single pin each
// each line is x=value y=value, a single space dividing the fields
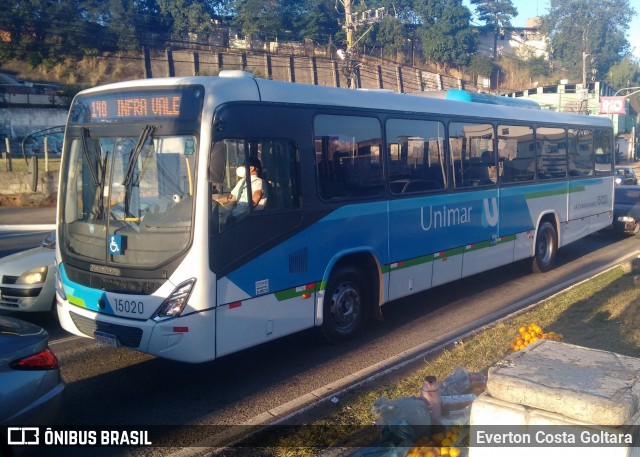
x=34 y=100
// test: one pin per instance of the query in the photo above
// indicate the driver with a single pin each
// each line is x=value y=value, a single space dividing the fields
x=239 y=194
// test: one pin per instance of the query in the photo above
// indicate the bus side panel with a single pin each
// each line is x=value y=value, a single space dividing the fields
x=600 y=221
x=574 y=230
x=590 y=206
x=409 y=277
x=447 y=266
x=493 y=251
x=481 y=258
x=433 y=231
x=250 y=322
x=523 y=245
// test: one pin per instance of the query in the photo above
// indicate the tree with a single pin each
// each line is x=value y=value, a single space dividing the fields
x=41 y=31
x=315 y=20
x=445 y=31
x=186 y=16
x=496 y=14
x=582 y=31
x=269 y=18
x=481 y=66
x=625 y=73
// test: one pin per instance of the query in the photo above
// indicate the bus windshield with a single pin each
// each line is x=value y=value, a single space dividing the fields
x=128 y=175
x=139 y=188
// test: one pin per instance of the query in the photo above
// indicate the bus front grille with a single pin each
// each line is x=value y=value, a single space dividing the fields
x=128 y=336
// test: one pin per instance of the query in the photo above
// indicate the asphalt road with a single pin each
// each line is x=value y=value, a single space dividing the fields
x=122 y=387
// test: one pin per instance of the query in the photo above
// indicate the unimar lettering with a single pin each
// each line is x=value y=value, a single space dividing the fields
x=434 y=218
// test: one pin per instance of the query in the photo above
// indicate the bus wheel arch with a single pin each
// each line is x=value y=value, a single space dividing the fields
x=546 y=244
x=350 y=297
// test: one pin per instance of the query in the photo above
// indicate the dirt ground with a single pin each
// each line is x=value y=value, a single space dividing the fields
x=22 y=200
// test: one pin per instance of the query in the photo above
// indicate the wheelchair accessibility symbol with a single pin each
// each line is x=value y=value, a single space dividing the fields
x=115 y=244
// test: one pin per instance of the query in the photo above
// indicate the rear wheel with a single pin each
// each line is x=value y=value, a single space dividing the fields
x=346 y=305
x=545 y=248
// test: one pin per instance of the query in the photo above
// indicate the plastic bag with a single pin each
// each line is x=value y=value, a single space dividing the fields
x=402 y=420
x=395 y=441
x=456 y=383
x=413 y=410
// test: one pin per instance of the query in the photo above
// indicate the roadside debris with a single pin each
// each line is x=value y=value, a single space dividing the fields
x=531 y=334
x=430 y=424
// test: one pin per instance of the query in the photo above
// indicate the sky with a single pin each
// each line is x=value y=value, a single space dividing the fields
x=533 y=8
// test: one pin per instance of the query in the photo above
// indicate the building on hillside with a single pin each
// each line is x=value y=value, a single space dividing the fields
x=574 y=98
x=521 y=43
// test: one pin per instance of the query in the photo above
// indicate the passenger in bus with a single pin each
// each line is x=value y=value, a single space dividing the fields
x=239 y=193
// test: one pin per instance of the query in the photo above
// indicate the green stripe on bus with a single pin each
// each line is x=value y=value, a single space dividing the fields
x=294 y=292
x=551 y=193
x=76 y=301
x=450 y=253
x=488 y=244
x=410 y=263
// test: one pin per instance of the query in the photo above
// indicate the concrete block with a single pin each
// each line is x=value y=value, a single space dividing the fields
x=499 y=428
x=587 y=385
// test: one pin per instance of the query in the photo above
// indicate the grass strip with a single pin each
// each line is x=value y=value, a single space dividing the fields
x=600 y=313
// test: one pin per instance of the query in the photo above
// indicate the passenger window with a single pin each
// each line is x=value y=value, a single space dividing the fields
x=552 y=153
x=416 y=156
x=580 y=152
x=473 y=158
x=516 y=153
x=603 y=141
x=348 y=156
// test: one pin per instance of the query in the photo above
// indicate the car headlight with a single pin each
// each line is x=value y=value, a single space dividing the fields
x=175 y=303
x=34 y=276
x=618 y=180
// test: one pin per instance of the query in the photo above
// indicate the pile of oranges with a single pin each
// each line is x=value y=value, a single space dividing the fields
x=440 y=444
x=531 y=334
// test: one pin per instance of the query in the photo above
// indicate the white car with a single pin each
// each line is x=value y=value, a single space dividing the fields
x=27 y=279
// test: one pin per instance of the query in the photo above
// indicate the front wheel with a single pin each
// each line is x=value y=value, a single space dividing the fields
x=545 y=248
x=345 y=306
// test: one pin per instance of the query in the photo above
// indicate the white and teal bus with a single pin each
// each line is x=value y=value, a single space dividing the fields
x=363 y=197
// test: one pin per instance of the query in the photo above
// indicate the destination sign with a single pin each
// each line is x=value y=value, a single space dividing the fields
x=178 y=104
x=136 y=107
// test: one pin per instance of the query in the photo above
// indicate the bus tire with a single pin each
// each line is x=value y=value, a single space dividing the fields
x=545 y=248
x=346 y=305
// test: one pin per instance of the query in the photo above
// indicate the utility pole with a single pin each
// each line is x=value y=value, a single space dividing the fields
x=350 y=64
x=348 y=24
x=584 y=69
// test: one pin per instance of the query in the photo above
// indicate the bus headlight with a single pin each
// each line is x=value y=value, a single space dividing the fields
x=175 y=303
x=34 y=276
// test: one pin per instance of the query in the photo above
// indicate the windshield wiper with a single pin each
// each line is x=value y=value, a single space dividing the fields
x=144 y=136
x=88 y=158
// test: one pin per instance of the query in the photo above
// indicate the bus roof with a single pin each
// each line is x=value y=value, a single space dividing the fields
x=242 y=86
